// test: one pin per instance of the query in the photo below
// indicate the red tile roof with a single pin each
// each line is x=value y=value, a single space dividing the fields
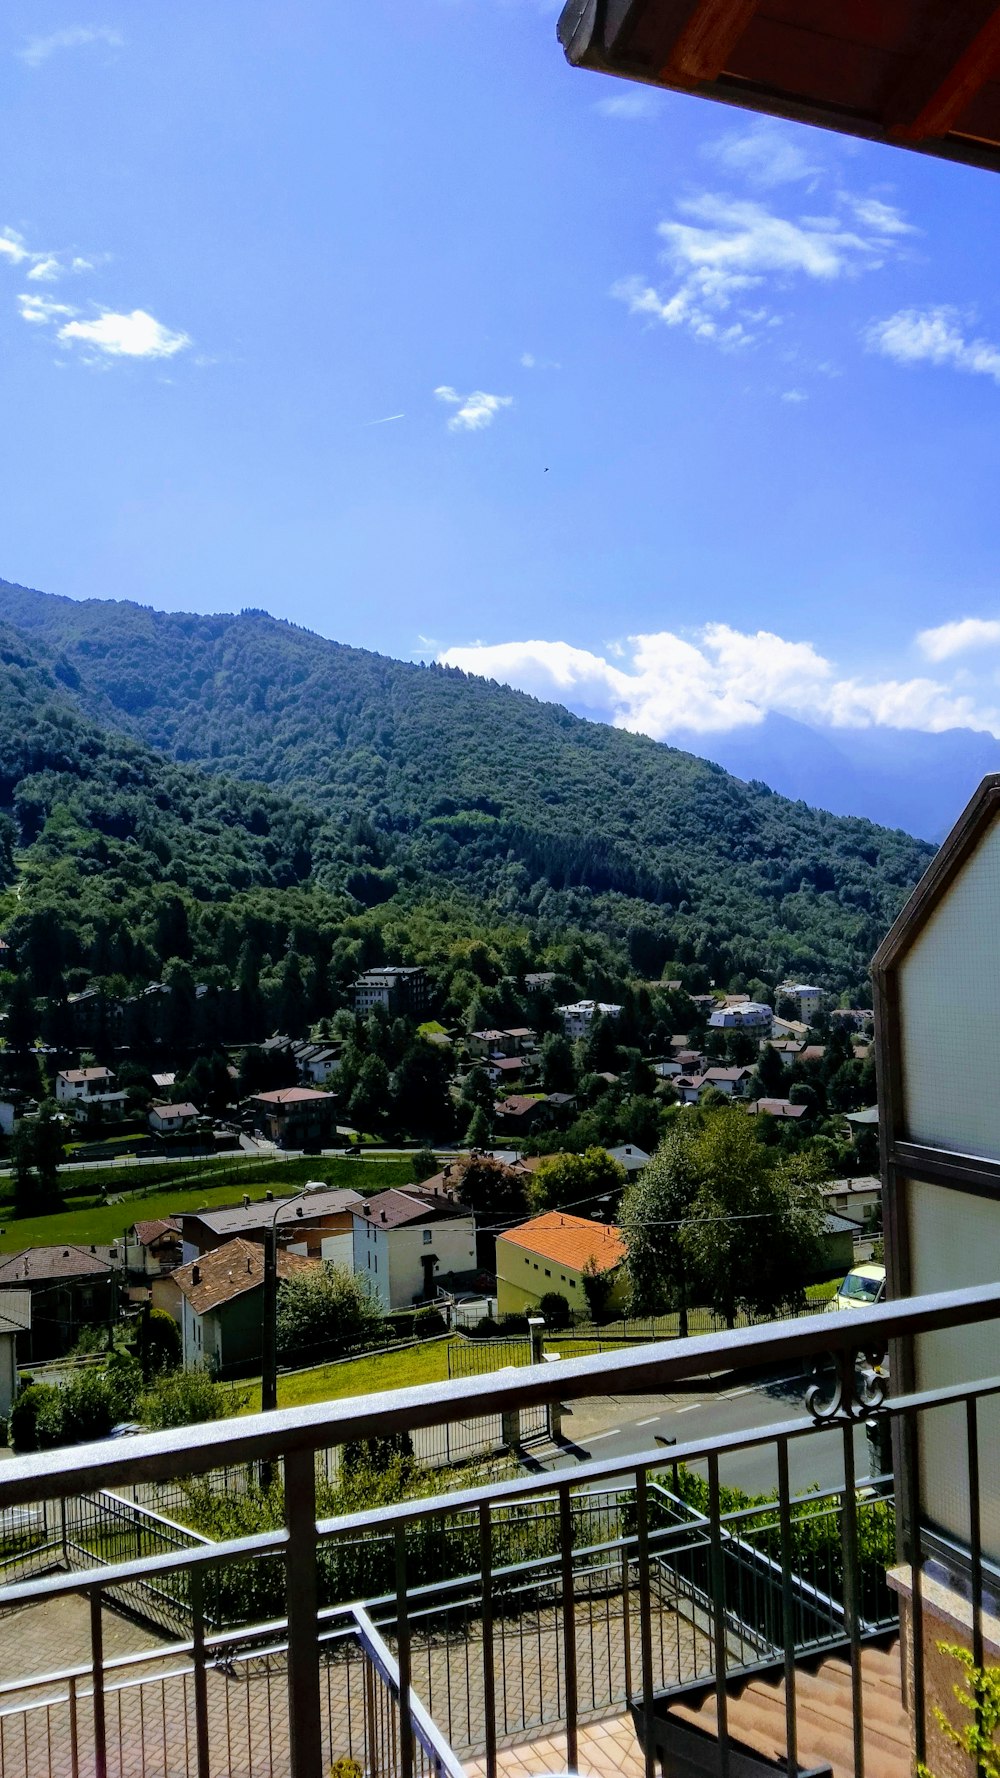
x=290 y=1096
x=569 y=1240
x=230 y=1271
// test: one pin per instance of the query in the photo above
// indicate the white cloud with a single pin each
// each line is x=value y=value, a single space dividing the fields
x=38 y=49
x=933 y=336
x=947 y=640
x=885 y=219
x=46 y=270
x=720 y=678
x=719 y=248
x=794 y=395
x=630 y=106
x=767 y=154
x=12 y=247
x=42 y=309
x=472 y=412
x=138 y=335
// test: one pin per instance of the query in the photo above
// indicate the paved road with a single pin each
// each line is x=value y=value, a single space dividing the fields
x=618 y=1426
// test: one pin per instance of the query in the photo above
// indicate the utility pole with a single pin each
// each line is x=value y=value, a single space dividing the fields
x=269 y=1317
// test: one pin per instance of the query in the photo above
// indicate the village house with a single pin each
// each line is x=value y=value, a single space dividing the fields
x=221 y=1306
x=490 y=1043
x=15 y=1324
x=809 y=998
x=504 y=1070
x=776 y=1108
x=409 y=1240
x=316 y=1063
x=153 y=1248
x=630 y=1157
x=70 y=1288
x=307 y=1223
x=297 y=1117
x=521 y=1112
x=166 y=1120
x=746 y=1015
x=578 y=1018
x=398 y=990
x=554 y=1253
x=731 y=1081
x=73 y=1084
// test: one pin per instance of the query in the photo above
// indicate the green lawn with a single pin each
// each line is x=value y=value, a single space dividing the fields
x=360 y=1376
x=103 y=1223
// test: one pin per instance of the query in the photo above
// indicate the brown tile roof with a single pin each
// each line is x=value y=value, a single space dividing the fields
x=569 y=1240
x=289 y=1096
x=76 y=1076
x=155 y=1226
x=184 y=1109
x=518 y=1105
x=35 y=1264
x=776 y=1108
x=230 y=1271
x=400 y=1205
x=733 y=1074
x=508 y=1064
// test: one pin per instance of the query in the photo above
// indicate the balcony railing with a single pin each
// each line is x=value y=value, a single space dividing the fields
x=414 y=1636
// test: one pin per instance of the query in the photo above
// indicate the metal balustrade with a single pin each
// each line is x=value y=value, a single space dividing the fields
x=465 y=1620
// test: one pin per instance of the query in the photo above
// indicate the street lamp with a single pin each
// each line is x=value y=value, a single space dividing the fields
x=269 y=1305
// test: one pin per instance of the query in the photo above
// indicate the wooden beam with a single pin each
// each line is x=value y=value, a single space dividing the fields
x=943 y=81
x=706 y=40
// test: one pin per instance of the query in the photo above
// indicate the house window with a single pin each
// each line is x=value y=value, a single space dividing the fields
x=427 y=1235
x=548 y=1274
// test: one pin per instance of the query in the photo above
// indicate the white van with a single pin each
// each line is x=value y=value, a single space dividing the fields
x=863 y=1287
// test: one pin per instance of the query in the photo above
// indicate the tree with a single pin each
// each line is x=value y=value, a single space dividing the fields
x=326 y=1307
x=425 y=1165
x=597 y=1288
x=555 y=1308
x=575 y=1180
x=421 y=1101
x=370 y=1098
x=653 y=1214
x=754 y=1233
x=488 y=1187
x=558 y=1067
x=478 y=1133
x=477 y=1092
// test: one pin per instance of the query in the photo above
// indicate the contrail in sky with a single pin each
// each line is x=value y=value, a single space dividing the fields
x=385 y=419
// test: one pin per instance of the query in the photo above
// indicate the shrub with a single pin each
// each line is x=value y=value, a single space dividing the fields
x=88 y=1408
x=160 y=1342
x=327 y=1307
x=36 y=1418
x=555 y=1307
x=182 y=1398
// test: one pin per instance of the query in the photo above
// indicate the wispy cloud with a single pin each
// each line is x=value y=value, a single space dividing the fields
x=631 y=107
x=718 y=249
x=719 y=678
x=384 y=421
x=947 y=640
x=933 y=336
x=530 y=361
x=38 y=49
x=766 y=154
x=43 y=268
x=472 y=412
x=42 y=309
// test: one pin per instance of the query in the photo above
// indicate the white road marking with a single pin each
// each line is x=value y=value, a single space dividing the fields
x=731 y=1394
x=595 y=1436
x=689 y=1409
x=650 y=1422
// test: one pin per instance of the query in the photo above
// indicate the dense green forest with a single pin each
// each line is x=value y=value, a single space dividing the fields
x=407 y=807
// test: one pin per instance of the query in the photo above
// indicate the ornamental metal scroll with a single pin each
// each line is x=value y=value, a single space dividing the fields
x=854 y=1392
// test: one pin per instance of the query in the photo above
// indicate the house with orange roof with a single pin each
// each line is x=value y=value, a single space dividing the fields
x=555 y=1252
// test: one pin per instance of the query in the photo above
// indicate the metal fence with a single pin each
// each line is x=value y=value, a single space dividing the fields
x=530 y=1603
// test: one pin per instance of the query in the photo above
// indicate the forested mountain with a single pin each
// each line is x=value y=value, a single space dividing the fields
x=408 y=782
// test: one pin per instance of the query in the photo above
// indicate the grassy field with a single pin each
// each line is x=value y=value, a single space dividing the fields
x=360 y=1376
x=85 y=1223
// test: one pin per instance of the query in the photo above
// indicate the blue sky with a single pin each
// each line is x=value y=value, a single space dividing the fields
x=697 y=414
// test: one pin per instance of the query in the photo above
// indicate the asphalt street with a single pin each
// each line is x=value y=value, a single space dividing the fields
x=620 y=1426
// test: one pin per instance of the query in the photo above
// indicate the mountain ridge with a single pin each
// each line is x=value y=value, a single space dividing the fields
x=521 y=804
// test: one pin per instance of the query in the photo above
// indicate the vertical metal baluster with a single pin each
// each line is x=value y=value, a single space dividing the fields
x=97 y=1667
x=201 y=1736
x=911 y=1431
x=645 y=1616
x=849 y=1525
x=403 y=1656
x=74 y=1733
x=718 y=1573
x=627 y=1621
x=787 y=1606
x=305 y=1727
x=975 y=1542
x=489 y=1676
x=568 y=1620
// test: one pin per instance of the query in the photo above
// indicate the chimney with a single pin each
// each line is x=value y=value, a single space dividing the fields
x=249 y=1265
x=196 y=1273
x=383 y=1215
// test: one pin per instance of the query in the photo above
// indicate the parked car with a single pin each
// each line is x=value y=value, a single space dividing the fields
x=863 y=1287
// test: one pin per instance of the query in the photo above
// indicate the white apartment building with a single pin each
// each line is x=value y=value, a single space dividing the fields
x=578 y=1018
x=747 y=1015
